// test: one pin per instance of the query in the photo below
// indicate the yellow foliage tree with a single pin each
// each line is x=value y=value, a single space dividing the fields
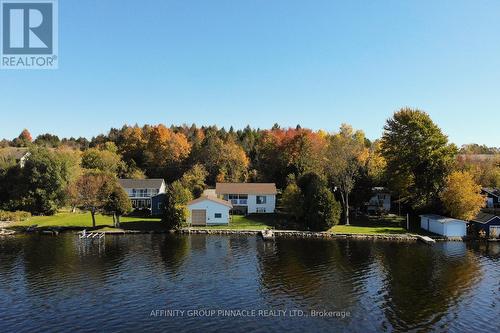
x=461 y=196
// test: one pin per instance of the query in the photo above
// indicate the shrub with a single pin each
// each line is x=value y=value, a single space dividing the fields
x=16 y=216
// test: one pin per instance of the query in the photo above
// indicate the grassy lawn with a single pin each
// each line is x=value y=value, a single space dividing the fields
x=251 y=222
x=372 y=225
x=361 y=225
x=84 y=220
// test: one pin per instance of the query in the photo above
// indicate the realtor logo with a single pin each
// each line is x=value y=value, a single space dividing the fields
x=29 y=34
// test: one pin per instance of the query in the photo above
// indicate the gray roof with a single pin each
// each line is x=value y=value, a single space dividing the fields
x=14 y=152
x=492 y=191
x=141 y=183
x=245 y=188
x=484 y=218
x=441 y=219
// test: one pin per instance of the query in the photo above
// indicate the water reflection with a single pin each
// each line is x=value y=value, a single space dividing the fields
x=421 y=283
x=386 y=286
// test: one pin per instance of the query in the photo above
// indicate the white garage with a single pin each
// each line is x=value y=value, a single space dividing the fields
x=208 y=211
x=444 y=226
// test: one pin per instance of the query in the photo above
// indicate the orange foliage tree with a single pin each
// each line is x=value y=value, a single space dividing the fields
x=461 y=196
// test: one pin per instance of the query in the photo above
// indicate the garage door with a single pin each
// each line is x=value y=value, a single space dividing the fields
x=494 y=231
x=198 y=217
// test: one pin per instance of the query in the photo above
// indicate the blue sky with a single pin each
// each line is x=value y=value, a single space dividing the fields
x=260 y=62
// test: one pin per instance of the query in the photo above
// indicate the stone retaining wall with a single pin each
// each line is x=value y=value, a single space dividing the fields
x=300 y=234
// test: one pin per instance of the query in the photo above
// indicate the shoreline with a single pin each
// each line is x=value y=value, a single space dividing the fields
x=406 y=237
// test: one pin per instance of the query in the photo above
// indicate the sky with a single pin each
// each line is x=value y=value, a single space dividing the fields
x=258 y=62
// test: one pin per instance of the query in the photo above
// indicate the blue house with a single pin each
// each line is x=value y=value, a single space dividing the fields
x=146 y=195
x=492 y=197
x=487 y=223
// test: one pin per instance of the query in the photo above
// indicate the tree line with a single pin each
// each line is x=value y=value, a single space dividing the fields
x=322 y=176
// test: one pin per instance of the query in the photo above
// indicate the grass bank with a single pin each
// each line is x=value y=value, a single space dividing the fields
x=359 y=225
x=84 y=220
x=391 y=224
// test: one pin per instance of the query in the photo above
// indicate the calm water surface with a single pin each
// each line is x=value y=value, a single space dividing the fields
x=58 y=284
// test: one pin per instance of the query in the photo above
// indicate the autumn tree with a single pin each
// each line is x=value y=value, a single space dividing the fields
x=269 y=164
x=194 y=179
x=303 y=152
x=281 y=152
x=224 y=161
x=165 y=152
x=47 y=140
x=485 y=169
x=105 y=159
x=176 y=199
x=292 y=201
x=346 y=154
x=418 y=157
x=39 y=186
x=461 y=196
x=117 y=202
x=24 y=139
x=131 y=144
x=376 y=164
x=92 y=192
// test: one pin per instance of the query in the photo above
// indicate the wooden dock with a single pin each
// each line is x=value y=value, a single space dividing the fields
x=426 y=239
x=91 y=235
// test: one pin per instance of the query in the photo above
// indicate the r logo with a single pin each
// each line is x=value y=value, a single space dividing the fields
x=27 y=28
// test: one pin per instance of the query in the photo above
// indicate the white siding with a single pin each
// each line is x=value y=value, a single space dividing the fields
x=450 y=228
x=423 y=222
x=212 y=208
x=269 y=206
x=163 y=188
x=455 y=229
x=436 y=227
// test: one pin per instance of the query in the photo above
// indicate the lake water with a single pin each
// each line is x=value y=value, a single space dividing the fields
x=199 y=283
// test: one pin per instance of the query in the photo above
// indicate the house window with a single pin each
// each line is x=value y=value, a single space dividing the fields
x=218 y=215
x=261 y=200
x=237 y=199
x=261 y=210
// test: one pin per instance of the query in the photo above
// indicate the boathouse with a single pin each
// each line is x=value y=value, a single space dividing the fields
x=488 y=223
x=208 y=211
x=444 y=226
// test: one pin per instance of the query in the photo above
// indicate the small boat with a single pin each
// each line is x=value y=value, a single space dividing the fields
x=267 y=234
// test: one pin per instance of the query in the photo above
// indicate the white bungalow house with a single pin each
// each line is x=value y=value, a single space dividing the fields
x=18 y=154
x=444 y=226
x=145 y=193
x=380 y=201
x=208 y=211
x=248 y=198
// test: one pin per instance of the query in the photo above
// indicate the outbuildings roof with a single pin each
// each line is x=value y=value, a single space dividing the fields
x=442 y=219
x=245 y=188
x=484 y=218
x=14 y=152
x=216 y=200
x=141 y=183
x=492 y=191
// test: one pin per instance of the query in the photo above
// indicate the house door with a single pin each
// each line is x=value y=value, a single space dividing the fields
x=198 y=217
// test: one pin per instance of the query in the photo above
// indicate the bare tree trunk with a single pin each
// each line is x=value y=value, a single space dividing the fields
x=92 y=212
x=346 y=209
x=114 y=220
x=117 y=221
